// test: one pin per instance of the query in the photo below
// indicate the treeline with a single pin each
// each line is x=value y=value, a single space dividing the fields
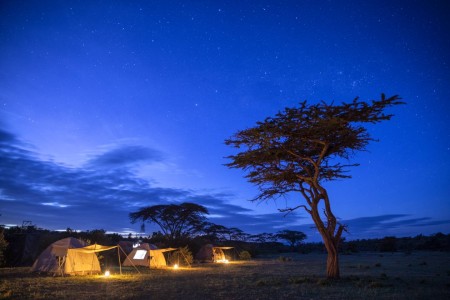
x=19 y=246
x=435 y=242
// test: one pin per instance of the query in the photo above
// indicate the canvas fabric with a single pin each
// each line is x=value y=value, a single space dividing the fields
x=210 y=253
x=148 y=256
x=69 y=256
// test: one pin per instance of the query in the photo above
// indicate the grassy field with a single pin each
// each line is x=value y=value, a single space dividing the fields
x=364 y=276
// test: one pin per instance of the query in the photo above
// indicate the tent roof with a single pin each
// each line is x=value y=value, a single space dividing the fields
x=164 y=249
x=94 y=248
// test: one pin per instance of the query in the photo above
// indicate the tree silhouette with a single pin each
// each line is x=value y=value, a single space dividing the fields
x=263 y=237
x=220 y=233
x=301 y=148
x=215 y=232
x=175 y=221
x=294 y=238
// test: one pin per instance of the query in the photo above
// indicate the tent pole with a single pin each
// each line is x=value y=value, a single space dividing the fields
x=185 y=258
x=129 y=260
x=118 y=256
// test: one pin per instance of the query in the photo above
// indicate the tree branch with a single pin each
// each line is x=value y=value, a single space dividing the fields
x=289 y=210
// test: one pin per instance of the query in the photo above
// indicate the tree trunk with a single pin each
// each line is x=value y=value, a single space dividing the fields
x=332 y=260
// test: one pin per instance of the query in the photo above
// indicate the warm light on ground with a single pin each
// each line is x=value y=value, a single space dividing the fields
x=107 y=274
x=175 y=267
x=224 y=261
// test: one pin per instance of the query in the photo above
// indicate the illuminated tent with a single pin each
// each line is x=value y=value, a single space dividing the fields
x=148 y=256
x=70 y=256
x=210 y=253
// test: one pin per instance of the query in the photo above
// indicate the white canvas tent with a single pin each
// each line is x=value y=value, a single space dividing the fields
x=148 y=256
x=210 y=253
x=70 y=256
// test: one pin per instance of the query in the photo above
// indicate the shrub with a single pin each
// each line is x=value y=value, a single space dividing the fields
x=182 y=256
x=245 y=255
x=300 y=280
x=284 y=258
x=323 y=282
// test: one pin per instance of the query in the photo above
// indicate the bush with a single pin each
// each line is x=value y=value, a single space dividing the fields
x=284 y=258
x=323 y=282
x=244 y=255
x=182 y=257
x=300 y=280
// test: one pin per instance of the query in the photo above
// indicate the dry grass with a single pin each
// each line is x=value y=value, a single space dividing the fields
x=364 y=276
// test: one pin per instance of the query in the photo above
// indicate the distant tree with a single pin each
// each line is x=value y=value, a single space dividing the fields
x=175 y=221
x=263 y=237
x=215 y=232
x=97 y=236
x=236 y=234
x=220 y=233
x=301 y=148
x=294 y=238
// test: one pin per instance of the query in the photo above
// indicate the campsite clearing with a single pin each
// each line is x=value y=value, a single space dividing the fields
x=298 y=276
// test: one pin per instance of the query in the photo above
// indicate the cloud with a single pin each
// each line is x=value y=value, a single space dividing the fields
x=52 y=195
x=101 y=194
x=6 y=137
x=126 y=156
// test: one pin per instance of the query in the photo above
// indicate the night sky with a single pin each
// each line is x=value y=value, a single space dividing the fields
x=109 y=106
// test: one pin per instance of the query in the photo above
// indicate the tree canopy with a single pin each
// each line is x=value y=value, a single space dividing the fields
x=300 y=148
x=294 y=238
x=176 y=221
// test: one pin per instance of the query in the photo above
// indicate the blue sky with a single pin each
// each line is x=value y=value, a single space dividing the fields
x=108 y=106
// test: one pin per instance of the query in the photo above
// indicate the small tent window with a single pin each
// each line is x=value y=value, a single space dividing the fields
x=140 y=254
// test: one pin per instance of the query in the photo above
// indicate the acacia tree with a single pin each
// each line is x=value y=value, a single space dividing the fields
x=301 y=148
x=221 y=233
x=264 y=237
x=175 y=221
x=215 y=232
x=293 y=237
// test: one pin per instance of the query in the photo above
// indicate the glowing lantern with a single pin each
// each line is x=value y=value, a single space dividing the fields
x=107 y=273
x=175 y=266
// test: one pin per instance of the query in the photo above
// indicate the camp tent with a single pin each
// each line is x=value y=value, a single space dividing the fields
x=147 y=255
x=210 y=253
x=69 y=256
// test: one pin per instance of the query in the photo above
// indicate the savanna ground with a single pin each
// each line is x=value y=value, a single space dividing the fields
x=421 y=275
